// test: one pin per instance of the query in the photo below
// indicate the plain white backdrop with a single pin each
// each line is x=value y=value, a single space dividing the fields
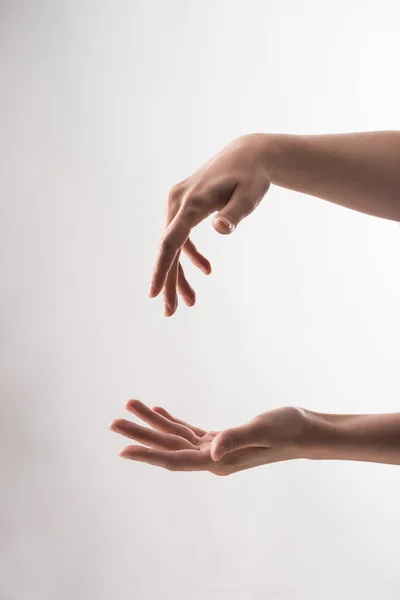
x=103 y=106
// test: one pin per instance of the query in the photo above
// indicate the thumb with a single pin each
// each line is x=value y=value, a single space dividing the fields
x=239 y=206
x=236 y=438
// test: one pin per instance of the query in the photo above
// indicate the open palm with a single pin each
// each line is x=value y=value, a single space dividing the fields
x=177 y=446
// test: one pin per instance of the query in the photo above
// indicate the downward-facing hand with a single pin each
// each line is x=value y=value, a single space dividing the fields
x=231 y=184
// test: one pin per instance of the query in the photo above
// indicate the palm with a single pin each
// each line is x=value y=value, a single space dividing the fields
x=177 y=446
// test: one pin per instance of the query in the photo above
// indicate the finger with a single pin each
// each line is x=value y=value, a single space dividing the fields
x=178 y=460
x=175 y=237
x=184 y=288
x=249 y=435
x=149 y=437
x=166 y=255
x=170 y=295
x=197 y=430
x=240 y=205
x=165 y=258
x=160 y=422
x=196 y=257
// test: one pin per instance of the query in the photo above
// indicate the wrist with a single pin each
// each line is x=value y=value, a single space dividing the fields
x=320 y=436
x=281 y=155
x=268 y=150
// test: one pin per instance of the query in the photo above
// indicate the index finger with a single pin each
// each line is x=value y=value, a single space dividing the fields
x=176 y=235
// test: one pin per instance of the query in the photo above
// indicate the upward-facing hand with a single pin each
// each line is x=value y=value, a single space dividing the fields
x=177 y=446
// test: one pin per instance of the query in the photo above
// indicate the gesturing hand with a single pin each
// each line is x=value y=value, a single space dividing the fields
x=170 y=443
x=233 y=183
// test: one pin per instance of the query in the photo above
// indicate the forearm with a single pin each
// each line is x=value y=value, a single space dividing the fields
x=370 y=438
x=360 y=171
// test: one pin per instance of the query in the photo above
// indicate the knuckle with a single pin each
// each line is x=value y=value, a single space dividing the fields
x=197 y=195
x=166 y=244
x=193 y=206
x=193 y=201
x=175 y=193
x=192 y=212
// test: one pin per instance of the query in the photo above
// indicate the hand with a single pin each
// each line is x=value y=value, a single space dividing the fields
x=170 y=443
x=233 y=183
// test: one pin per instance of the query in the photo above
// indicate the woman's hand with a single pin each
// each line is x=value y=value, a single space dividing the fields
x=232 y=184
x=170 y=443
x=277 y=435
x=356 y=170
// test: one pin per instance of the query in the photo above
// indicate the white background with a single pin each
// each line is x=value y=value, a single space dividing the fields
x=104 y=105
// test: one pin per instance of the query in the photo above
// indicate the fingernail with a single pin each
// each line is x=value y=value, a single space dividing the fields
x=167 y=311
x=123 y=455
x=152 y=291
x=230 y=226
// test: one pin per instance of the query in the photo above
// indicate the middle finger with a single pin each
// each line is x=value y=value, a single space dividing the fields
x=149 y=437
x=160 y=422
x=170 y=288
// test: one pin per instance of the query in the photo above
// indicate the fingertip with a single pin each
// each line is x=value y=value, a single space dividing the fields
x=170 y=307
x=124 y=454
x=133 y=405
x=117 y=425
x=189 y=301
x=223 y=225
x=153 y=292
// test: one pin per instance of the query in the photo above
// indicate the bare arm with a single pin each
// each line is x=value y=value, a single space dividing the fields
x=282 y=434
x=358 y=170
x=370 y=438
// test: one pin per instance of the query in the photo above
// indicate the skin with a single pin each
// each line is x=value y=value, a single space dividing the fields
x=286 y=433
x=360 y=171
